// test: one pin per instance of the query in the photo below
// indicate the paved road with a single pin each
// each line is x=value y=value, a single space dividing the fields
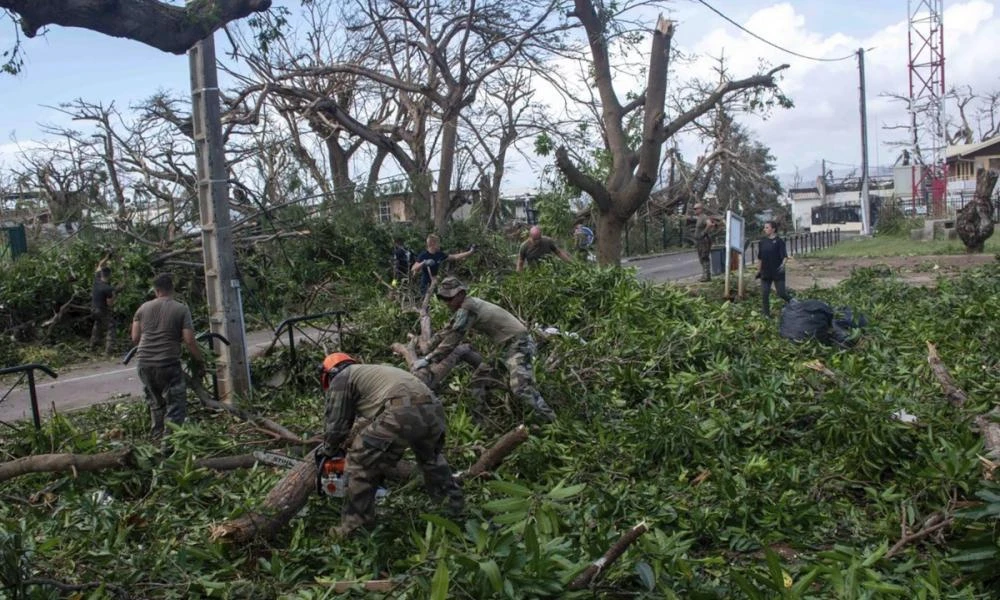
x=110 y=381
x=678 y=266
x=99 y=381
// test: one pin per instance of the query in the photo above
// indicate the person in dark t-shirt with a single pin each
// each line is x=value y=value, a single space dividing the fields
x=102 y=301
x=430 y=260
x=537 y=247
x=771 y=266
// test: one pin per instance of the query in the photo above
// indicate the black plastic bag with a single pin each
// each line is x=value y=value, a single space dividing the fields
x=806 y=319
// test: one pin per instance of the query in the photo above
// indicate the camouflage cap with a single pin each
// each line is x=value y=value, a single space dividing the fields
x=450 y=287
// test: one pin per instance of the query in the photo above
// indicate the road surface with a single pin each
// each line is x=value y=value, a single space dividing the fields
x=108 y=380
x=99 y=381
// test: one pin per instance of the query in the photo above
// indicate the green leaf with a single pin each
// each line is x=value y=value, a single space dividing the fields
x=562 y=493
x=645 y=573
x=439 y=583
x=492 y=572
x=510 y=489
x=507 y=505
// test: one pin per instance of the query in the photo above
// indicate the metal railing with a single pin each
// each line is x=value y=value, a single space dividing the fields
x=798 y=243
x=291 y=321
x=29 y=371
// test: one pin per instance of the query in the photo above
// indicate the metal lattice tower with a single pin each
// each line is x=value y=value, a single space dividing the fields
x=926 y=41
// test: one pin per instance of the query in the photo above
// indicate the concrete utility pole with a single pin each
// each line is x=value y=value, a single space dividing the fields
x=866 y=228
x=222 y=288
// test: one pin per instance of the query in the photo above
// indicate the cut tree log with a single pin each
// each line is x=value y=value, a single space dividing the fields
x=50 y=463
x=595 y=568
x=292 y=492
x=279 y=506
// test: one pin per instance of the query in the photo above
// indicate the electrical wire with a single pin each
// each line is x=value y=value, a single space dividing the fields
x=772 y=44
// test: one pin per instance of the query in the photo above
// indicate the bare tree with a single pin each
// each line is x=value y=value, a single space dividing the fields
x=635 y=160
x=436 y=57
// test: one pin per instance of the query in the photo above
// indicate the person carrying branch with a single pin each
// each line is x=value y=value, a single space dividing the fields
x=401 y=412
x=429 y=261
x=102 y=301
x=537 y=247
x=704 y=226
x=504 y=329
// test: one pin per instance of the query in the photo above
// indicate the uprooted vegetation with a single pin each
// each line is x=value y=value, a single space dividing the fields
x=757 y=468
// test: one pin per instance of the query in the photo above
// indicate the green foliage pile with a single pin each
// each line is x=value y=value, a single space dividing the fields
x=758 y=475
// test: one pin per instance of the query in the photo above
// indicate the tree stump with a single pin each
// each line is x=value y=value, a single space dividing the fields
x=974 y=222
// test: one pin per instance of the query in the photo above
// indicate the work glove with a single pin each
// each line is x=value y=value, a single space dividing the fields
x=781 y=269
x=429 y=263
x=757 y=276
x=321 y=455
x=420 y=363
x=472 y=248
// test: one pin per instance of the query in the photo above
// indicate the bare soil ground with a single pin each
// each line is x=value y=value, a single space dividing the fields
x=803 y=273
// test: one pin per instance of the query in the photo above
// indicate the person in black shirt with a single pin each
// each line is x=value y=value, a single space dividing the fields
x=771 y=266
x=430 y=260
x=102 y=299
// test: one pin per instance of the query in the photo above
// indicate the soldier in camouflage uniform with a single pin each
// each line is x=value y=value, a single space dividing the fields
x=401 y=412
x=704 y=225
x=503 y=328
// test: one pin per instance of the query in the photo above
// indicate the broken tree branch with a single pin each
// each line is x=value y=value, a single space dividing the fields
x=595 y=568
x=49 y=463
x=955 y=395
x=496 y=453
x=273 y=428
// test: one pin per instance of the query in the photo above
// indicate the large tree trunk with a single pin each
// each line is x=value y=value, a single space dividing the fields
x=974 y=222
x=609 y=238
x=442 y=199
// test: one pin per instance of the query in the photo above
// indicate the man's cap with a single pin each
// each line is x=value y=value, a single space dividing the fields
x=450 y=287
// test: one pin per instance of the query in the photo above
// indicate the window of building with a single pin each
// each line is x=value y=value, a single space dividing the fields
x=384 y=211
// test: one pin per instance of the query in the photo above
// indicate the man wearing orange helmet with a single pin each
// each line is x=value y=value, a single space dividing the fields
x=401 y=411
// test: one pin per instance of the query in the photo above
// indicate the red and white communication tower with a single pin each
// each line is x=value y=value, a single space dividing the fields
x=926 y=39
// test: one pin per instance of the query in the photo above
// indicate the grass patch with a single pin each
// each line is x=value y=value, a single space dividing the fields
x=896 y=246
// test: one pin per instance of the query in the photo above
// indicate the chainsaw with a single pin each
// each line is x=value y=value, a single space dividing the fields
x=331 y=477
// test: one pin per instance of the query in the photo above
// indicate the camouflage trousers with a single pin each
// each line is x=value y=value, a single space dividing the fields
x=378 y=448
x=104 y=322
x=520 y=375
x=704 y=248
x=166 y=395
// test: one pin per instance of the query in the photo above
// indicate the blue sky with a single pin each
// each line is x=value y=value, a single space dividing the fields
x=71 y=63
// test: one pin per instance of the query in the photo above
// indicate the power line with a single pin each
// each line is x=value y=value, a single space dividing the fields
x=772 y=44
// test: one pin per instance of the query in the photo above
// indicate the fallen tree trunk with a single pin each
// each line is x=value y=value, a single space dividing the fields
x=292 y=492
x=282 y=503
x=617 y=549
x=52 y=463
